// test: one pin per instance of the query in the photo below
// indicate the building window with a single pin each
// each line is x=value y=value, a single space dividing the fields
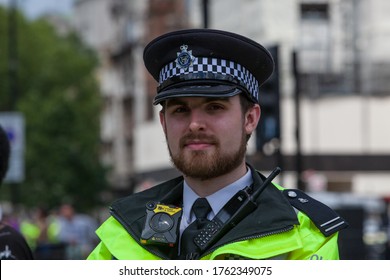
x=314 y=11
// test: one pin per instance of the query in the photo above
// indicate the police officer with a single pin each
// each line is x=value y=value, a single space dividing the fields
x=209 y=90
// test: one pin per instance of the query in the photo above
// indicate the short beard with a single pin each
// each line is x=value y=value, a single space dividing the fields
x=202 y=166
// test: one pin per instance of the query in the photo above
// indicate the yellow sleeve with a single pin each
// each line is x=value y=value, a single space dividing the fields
x=315 y=246
x=100 y=253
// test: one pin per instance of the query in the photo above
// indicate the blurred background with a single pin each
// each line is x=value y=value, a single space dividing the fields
x=76 y=102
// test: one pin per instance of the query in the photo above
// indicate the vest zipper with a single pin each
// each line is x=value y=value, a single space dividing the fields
x=279 y=231
x=212 y=249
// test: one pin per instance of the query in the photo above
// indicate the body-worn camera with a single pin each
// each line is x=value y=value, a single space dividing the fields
x=161 y=225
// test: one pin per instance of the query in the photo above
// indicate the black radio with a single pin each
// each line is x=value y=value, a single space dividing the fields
x=238 y=207
x=161 y=225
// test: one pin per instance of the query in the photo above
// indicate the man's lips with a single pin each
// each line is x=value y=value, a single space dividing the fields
x=197 y=145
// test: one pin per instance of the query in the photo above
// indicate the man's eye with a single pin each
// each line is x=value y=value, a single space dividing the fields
x=214 y=107
x=180 y=110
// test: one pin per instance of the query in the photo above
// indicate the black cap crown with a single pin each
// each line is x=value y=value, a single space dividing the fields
x=208 y=63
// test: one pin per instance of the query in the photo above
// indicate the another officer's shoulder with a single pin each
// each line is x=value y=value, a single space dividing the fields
x=326 y=219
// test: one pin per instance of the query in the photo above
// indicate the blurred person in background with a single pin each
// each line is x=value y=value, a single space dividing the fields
x=76 y=231
x=41 y=229
x=13 y=245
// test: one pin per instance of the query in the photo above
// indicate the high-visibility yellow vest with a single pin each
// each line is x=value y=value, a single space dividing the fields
x=285 y=225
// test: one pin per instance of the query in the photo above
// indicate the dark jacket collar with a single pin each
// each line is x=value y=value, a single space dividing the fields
x=273 y=213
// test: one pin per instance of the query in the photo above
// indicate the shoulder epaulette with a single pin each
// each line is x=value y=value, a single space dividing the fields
x=325 y=218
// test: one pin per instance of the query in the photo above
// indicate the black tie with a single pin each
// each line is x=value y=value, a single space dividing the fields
x=188 y=249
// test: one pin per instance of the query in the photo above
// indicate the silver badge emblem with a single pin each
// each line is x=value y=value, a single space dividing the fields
x=184 y=58
x=303 y=200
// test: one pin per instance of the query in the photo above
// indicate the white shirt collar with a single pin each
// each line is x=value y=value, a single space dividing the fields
x=216 y=200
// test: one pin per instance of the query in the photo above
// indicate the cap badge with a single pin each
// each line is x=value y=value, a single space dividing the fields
x=184 y=58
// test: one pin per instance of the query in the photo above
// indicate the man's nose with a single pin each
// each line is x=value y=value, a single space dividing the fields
x=197 y=121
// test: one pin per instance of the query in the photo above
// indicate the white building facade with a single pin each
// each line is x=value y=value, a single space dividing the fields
x=115 y=29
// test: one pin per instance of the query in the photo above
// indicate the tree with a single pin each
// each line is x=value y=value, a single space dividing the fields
x=59 y=97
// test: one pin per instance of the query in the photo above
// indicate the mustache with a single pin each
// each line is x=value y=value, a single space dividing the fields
x=201 y=137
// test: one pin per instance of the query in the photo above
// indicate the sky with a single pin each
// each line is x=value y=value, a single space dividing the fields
x=35 y=8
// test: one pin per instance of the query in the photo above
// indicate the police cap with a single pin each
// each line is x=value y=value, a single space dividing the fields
x=207 y=63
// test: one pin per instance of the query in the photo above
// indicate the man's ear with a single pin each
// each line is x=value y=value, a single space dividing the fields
x=252 y=118
x=162 y=121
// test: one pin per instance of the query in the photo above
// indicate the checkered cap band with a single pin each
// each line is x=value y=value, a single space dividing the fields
x=215 y=66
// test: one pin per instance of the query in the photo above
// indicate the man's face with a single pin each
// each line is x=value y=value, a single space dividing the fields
x=207 y=136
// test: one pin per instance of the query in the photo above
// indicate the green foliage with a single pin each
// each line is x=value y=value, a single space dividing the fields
x=59 y=97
